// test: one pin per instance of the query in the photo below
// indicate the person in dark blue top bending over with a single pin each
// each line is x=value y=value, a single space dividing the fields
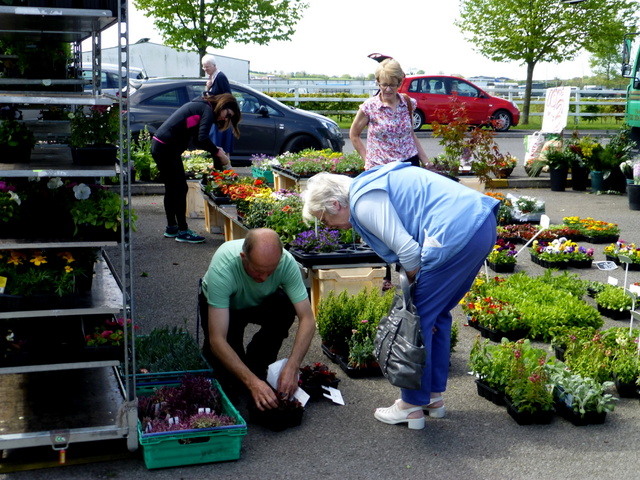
x=190 y=123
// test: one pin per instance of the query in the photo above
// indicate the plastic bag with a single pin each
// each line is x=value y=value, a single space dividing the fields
x=533 y=147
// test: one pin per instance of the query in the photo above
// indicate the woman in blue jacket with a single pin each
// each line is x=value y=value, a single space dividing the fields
x=190 y=124
x=439 y=231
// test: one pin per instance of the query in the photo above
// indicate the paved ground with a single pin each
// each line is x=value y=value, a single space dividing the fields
x=477 y=440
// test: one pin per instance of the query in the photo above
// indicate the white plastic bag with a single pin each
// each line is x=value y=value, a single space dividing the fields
x=533 y=146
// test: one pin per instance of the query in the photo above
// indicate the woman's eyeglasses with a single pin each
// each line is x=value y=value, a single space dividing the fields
x=384 y=86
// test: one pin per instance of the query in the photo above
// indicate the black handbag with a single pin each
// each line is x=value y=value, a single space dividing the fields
x=398 y=345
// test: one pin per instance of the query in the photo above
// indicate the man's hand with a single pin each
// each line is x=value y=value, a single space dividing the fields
x=288 y=381
x=224 y=159
x=263 y=395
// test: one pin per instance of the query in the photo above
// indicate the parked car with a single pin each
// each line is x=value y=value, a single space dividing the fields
x=267 y=126
x=434 y=94
x=109 y=78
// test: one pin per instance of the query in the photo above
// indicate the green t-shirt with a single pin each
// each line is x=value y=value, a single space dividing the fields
x=227 y=285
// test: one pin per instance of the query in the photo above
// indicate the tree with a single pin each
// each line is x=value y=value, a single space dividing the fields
x=197 y=25
x=533 y=31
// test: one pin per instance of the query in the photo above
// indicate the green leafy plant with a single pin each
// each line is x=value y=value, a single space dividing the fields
x=143 y=161
x=528 y=384
x=310 y=161
x=110 y=333
x=16 y=134
x=613 y=298
x=492 y=363
x=168 y=349
x=581 y=394
x=99 y=127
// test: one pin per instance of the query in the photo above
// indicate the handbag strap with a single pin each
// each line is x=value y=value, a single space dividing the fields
x=410 y=105
x=406 y=288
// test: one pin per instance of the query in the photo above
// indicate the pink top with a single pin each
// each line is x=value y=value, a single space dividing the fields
x=390 y=133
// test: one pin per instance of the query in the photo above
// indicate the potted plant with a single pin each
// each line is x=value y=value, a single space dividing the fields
x=167 y=353
x=526 y=209
x=559 y=162
x=625 y=367
x=288 y=414
x=594 y=231
x=613 y=302
x=10 y=202
x=314 y=377
x=261 y=166
x=580 y=400
x=500 y=319
x=94 y=135
x=621 y=247
x=16 y=141
x=633 y=189
x=502 y=258
x=527 y=397
x=491 y=364
x=188 y=422
x=502 y=165
x=505 y=210
x=143 y=162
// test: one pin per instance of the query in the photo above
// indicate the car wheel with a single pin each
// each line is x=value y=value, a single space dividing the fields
x=418 y=120
x=301 y=142
x=501 y=121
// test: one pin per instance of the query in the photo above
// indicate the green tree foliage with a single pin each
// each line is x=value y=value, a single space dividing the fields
x=533 y=31
x=196 y=25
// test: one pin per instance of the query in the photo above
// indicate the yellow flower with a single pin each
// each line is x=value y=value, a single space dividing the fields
x=68 y=269
x=16 y=258
x=67 y=256
x=38 y=259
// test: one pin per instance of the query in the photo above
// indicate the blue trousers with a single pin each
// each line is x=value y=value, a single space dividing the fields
x=437 y=292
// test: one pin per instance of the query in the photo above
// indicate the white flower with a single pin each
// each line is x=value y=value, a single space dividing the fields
x=81 y=191
x=55 y=182
x=14 y=196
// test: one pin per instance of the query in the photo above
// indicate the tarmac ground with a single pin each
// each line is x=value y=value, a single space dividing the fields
x=476 y=440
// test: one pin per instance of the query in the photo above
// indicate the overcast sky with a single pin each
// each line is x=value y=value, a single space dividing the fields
x=335 y=37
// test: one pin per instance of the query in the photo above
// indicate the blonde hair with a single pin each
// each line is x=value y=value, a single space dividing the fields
x=389 y=69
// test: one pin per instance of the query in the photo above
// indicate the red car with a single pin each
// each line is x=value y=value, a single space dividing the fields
x=434 y=93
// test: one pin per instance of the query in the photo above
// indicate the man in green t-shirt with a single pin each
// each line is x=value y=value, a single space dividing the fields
x=255 y=281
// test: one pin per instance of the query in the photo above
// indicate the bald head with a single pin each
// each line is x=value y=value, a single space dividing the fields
x=261 y=253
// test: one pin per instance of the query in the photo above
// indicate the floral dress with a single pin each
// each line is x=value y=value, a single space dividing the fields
x=390 y=133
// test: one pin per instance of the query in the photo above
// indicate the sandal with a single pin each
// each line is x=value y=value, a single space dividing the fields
x=394 y=415
x=435 y=412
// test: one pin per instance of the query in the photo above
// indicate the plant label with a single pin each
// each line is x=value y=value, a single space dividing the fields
x=634 y=288
x=334 y=395
x=545 y=221
x=612 y=281
x=606 y=265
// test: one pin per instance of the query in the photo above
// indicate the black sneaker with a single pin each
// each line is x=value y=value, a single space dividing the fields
x=171 y=232
x=189 y=236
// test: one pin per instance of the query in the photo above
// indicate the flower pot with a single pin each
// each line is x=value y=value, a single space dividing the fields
x=501 y=267
x=17 y=154
x=589 y=418
x=626 y=390
x=316 y=392
x=511 y=335
x=581 y=263
x=484 y=331
x=616 y=181
x=597 y=181
x=614 y=314
x=558 y=179
x=491 y=394
x=602 y=239
x=541 y=417
x=503 y=172
x=106 y=155
x=277 y=419
x=559 y=352
x=579 y=177
x=359 y=372
x=633 y=194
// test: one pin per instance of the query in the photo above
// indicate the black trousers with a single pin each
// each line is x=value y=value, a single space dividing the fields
x=275 y=316
x=169 y=161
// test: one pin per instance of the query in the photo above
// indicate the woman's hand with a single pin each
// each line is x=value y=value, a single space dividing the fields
x=411 y=276
x=224 y=159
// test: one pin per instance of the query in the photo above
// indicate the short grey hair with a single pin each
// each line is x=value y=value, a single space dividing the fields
x=323 y=189
x=209 y=59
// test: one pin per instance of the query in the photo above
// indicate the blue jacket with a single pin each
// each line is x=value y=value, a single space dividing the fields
x=429 y=205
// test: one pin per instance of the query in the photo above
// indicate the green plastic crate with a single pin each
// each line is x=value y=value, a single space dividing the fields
x=259 y=173
x=192 y=447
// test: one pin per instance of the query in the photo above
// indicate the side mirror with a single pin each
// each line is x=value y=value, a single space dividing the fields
x=263 y=111
x=626 y=57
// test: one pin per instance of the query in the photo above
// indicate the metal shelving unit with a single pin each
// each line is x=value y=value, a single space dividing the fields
x=92 y=401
